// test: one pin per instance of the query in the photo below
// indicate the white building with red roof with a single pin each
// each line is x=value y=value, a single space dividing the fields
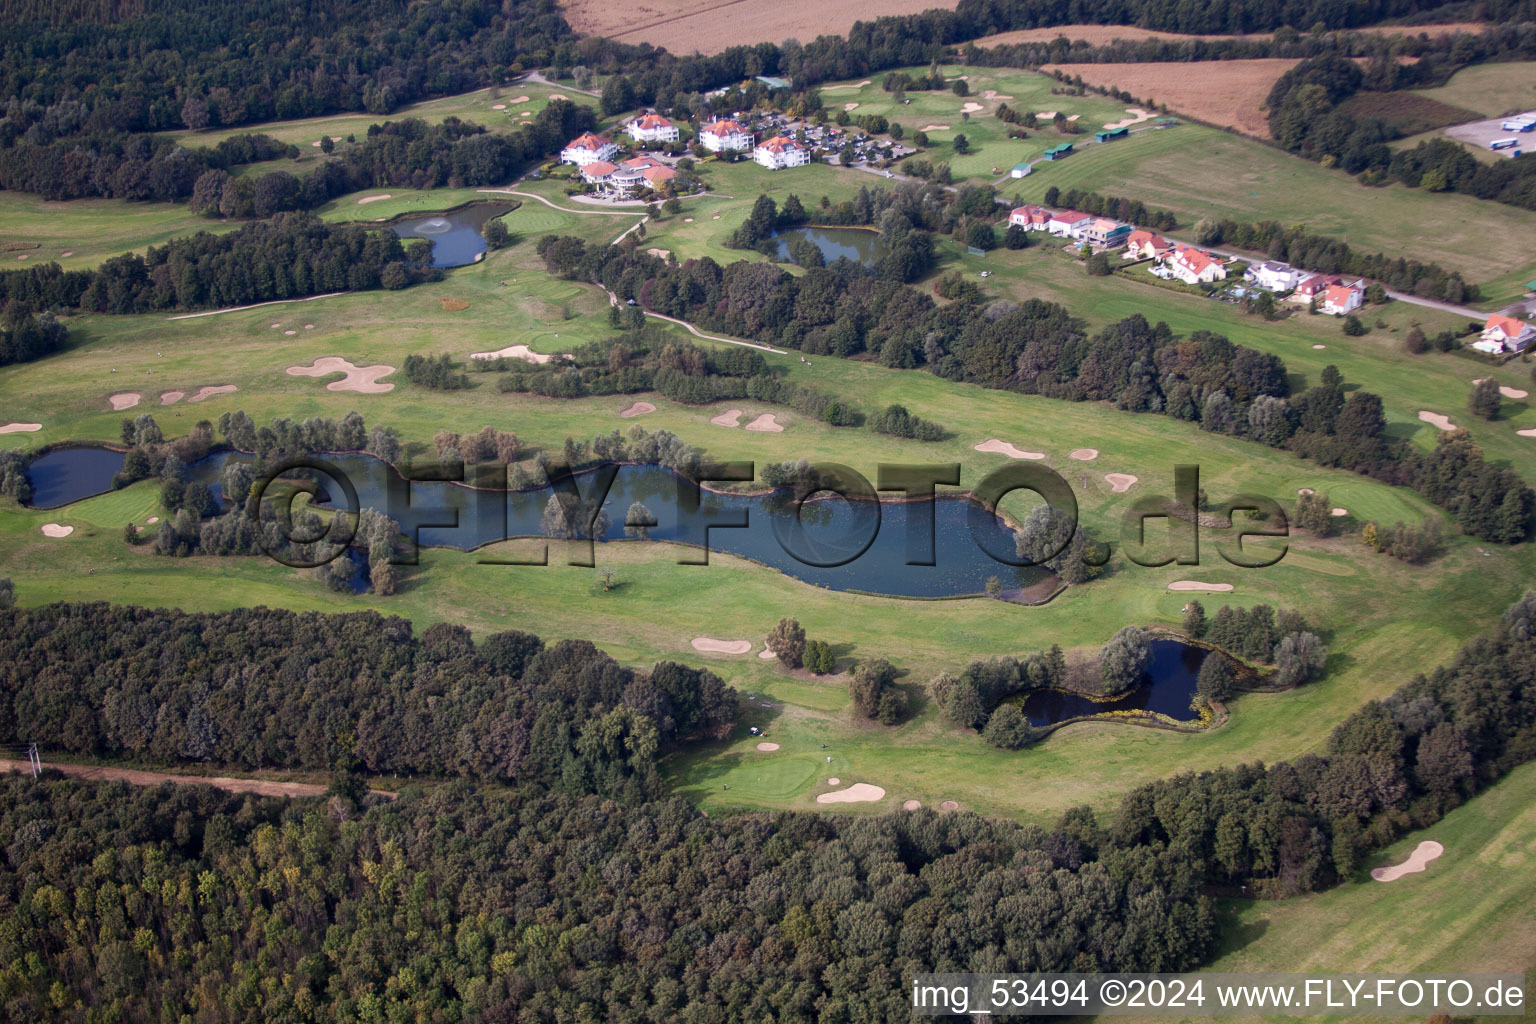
x=718 y=136
x=1339 y=299
x=1313 y=286
x=1067 y=223
x=1030 y=218
x=598 y=172
x=641 y=173
x=1144 y=245
x=584 y=149
x=1503 y=334
x=781 y=151
x=652 y=128
x=1195 y=266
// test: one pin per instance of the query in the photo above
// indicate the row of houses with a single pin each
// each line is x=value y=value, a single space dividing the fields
x=722 y=136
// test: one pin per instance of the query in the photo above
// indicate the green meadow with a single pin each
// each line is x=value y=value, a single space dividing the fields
x=1490 y=89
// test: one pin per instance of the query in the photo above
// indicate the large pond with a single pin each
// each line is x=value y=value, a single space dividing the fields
x=834 y=529
x=455 y=236
x=1166 y=687
x=861 y=245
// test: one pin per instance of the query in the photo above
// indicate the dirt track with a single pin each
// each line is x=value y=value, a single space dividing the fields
x=95 y=773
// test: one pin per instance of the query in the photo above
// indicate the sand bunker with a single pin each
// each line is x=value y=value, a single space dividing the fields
x=290 y=332
x=1531 y=432
x=729 y=418
x=834 y=782
x=767 y=654
x=1337 y=512
x=1084 y=454
x=1209 y=588
x=992 y=444
x=518 y=99
x=20 y=428
x=934 y=128
x=993 y=94
x=55 y=530
x=949 y=805
x=638 y=409
x=1507 y=392
x=171 y=397
x=498 y=106
x=856 y=85
x=704 y=643
x=151 y=521
x=1305 y=490
x=687 y=220
x=123 y=400
x=1046 y=115
x=768 y=423
x=362 y=379
x=1319 y=346
x=767 y=747
x=1119 y=483
x=858 y=793
x=971 y=107
x=850 y=106
x=209 y=390
x=64 y=254
x=660 y=254
x=1417 y=861
x=1442 y=422
x=911 y=805
x=309 y=327
x=1138 y=115
x=374 y=199
x=513 y=352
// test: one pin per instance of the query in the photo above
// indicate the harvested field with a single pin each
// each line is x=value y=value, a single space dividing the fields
x=1229 y=93
x=1099 y=35
x=709 y=26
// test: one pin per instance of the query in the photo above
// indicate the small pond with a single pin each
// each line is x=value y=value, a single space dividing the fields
x=1167 y=687
x=861 y=245
x=69 y=474
x=455 y=236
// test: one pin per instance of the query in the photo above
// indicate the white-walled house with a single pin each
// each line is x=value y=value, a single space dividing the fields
x=597 y=172
x=1195 y=266
x=652 y=128
x=1503 y=334
x=1343 y=298
x=781 y=151
x=724 y=135
x=1030 y=218
x=1272 y=276
x=1067 y=223
x=1145 y=245
x=584 y=149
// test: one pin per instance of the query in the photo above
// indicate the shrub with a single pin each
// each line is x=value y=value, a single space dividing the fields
x=787 y=642
x=1008 y=729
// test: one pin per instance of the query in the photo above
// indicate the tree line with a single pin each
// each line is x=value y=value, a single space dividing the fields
x=291 y=255
x=26 y=335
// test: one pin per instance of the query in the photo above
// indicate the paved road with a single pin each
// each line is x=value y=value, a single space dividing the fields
x=132 y=776
x=534 y=76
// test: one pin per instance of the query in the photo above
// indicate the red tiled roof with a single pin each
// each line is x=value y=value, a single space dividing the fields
x=1140 y=238
x=598 y=168
x=658 y=173
x=1508 y=324
x=778 y=144
x=1338 y=294
x=1193 y=258
x=588 y=141
x=1070 y=216
x=724 y=128
x=654 y=121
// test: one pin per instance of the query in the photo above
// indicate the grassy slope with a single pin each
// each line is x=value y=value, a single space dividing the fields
x=1490 y=89
x=1201 y=172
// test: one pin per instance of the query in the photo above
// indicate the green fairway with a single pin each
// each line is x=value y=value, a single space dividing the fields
x=90 y=230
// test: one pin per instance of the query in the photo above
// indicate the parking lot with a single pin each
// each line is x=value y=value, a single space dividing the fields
x=1480 y=133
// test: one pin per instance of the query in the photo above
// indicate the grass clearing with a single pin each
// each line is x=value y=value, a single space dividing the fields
x=1489 y=89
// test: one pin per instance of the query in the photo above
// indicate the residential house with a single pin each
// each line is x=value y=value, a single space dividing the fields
x=1030 y=218
x=598 y=172
x=781 y=151
x=1272 y=276
x=652 y=128
x=724 y=135
x=1339 y=299
x=1105 y=233
x=1313 y=286
x=1503 y=334
x=1144 y=245
x=1195 y=266
x=584 y=149
x=1067 y=223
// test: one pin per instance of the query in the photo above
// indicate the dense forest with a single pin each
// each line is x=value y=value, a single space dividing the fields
x=291 y=255
x=1040 y=348
x=545 y=902
x=118 y=165
x=25 y=335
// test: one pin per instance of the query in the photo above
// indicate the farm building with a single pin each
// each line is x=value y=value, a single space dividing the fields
x=584 y=149
x=1272 y=276
x=1110 y=134
x=1105 y=233
x=725 y=135
x=781 y=151
x=1343 y=298
x=1067 y=223
x=1195 y=266
x=1503 y=334
x=1030 y=218
x=1057 y=152
x=652 y=128
x=1144 y=245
